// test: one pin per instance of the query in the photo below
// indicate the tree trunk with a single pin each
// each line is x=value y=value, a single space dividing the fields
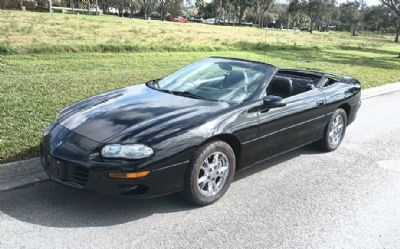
x=229 y=14
x=241 y=14
x=50 y=5
x=20 y=4
x=258 y=15
x=396 y=39
x=162 y=10
x=216 y=13
x=354 y=31
x=132 y=9
x=220 y=12
x=71 y=5
x=311 y=26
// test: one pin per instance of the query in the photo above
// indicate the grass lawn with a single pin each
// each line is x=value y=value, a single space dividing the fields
x=50 y=60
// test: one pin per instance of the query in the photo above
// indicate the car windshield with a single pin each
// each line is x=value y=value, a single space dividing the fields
x=217 y=79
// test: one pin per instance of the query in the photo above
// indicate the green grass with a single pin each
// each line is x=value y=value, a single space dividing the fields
x=29 y=32
x=50 y=60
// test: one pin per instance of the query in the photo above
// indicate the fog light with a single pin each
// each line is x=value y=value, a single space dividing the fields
x=128 y=175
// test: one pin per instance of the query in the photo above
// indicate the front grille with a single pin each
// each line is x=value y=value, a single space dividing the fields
x=76 y=174
x=65 y=171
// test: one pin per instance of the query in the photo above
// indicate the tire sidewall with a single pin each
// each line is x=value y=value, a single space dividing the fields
x=342 y=113
x=194 y=169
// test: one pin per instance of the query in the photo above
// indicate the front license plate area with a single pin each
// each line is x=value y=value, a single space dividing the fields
x=56 y=168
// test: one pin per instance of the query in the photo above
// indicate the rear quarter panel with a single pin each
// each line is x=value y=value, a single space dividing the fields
x=343 y=94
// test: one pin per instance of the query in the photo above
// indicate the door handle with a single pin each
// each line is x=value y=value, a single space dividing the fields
x=320 y=103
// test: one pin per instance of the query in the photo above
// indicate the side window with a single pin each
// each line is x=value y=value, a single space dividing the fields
x=329 y=82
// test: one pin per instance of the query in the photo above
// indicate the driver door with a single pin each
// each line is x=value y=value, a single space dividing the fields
x=298 y=123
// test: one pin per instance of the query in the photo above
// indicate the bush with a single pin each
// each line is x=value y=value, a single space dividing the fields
x=6 y=49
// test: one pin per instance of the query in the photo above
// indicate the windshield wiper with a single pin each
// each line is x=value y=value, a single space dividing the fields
x=154 y=84
x=186 y=94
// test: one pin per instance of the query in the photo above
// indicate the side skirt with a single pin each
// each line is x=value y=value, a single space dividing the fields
x=276 y=155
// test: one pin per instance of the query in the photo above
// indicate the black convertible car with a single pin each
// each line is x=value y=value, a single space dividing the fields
x=190 y=131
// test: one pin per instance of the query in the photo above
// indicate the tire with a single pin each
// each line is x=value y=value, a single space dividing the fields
x=203 y=178
x=330 y=143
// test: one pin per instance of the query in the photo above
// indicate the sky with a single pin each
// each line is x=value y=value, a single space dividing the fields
x=369 y=2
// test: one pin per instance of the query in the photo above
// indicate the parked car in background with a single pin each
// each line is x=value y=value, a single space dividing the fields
x=198 y=20
x=217 y=21
x=155 y=15
x=179 y=19
x=209 y=21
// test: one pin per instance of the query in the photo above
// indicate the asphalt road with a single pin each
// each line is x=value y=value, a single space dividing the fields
x=349 y=198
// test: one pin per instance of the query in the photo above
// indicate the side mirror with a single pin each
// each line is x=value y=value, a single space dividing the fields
x=272 y=101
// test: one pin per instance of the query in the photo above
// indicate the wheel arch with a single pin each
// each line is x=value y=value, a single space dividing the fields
x=347 y=108
x=230 y=139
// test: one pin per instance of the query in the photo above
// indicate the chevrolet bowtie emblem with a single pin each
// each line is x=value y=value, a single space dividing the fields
x=59 y=144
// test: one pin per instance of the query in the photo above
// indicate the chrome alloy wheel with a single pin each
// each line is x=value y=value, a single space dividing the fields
x=213 y=174
x=336 y=130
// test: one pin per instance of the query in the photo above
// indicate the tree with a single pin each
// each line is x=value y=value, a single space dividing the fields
x=315 y=9
x=396 y=23
x=218 y=10
x=175 y=7
x=147 y=6
x=295 y=11
x=394 y=5
x=133 y=5
x=378 y=19
x=351 y=16
x=241 y=5
x=163 y=7
x=89 y=2
x=356 y=9
x=205 y=10
x=50 y=5
x=262 y=7
x=280 y=15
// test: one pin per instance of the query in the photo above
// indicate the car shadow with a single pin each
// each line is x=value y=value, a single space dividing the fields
x=309 y=149
x=53 y=205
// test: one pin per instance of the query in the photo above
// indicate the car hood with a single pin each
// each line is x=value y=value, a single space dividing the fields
x=137 y=111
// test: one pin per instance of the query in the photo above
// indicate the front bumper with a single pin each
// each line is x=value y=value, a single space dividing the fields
x=72 y=168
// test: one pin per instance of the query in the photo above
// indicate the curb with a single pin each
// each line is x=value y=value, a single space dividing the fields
x=380 y=90
x=23 y=173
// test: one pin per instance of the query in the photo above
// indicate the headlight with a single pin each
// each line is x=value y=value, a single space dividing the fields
x=128 y=151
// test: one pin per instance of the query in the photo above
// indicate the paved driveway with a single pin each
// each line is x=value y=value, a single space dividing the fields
x=306 y=199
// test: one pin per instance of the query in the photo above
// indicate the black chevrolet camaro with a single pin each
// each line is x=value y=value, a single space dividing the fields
x=192 y=130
